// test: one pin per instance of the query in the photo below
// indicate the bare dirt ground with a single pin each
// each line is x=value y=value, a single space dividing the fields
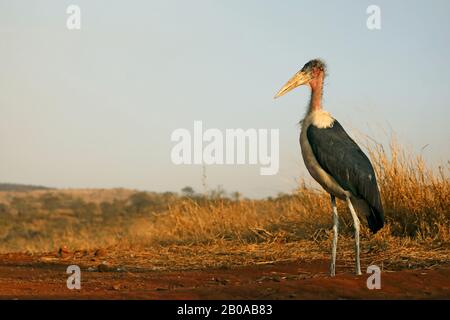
x=25 y=276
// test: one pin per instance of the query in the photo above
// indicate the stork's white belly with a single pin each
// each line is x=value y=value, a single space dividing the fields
x=320 y=119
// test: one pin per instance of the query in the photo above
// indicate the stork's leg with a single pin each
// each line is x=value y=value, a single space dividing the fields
x=356 y=225
x=335 y=236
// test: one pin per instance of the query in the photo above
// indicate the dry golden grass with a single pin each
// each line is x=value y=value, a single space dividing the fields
x=188 y=232
x=416 y=202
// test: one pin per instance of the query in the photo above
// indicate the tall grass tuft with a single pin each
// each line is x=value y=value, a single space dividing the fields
x=416 y=198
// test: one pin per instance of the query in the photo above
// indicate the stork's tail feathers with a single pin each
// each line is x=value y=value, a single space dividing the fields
x=375 y=219
x=374 y=215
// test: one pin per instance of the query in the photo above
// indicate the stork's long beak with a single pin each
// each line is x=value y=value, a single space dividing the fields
x=298 y=79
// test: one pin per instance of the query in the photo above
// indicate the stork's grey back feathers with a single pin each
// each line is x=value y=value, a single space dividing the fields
x=342 y=158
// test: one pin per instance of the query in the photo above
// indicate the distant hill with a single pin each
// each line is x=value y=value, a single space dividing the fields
x=20 y=187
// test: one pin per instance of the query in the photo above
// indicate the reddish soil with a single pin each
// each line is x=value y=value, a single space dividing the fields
x=23 y=278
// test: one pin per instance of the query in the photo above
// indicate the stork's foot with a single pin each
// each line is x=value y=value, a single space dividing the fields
x=332 y=270
x=358 y=261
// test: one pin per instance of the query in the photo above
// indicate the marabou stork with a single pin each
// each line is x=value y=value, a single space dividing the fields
x=335 y=161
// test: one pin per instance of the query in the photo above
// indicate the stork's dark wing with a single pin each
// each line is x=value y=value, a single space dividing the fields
x=342 y=158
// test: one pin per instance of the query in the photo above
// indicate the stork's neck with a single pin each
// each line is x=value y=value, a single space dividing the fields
x=316 y=116
x=315 y=104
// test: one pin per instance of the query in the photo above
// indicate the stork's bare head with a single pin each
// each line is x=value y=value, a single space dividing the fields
x=312 y=71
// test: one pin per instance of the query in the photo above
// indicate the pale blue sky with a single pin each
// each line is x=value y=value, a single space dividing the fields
x=96 y=107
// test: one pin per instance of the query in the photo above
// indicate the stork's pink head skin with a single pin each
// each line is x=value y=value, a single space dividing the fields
x=311 y=74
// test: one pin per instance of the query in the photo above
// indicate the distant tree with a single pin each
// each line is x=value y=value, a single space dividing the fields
x=140 y=201
x=188 y=191
x=236 y=196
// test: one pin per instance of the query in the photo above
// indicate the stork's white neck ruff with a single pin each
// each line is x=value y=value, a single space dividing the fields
x=319 y=118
